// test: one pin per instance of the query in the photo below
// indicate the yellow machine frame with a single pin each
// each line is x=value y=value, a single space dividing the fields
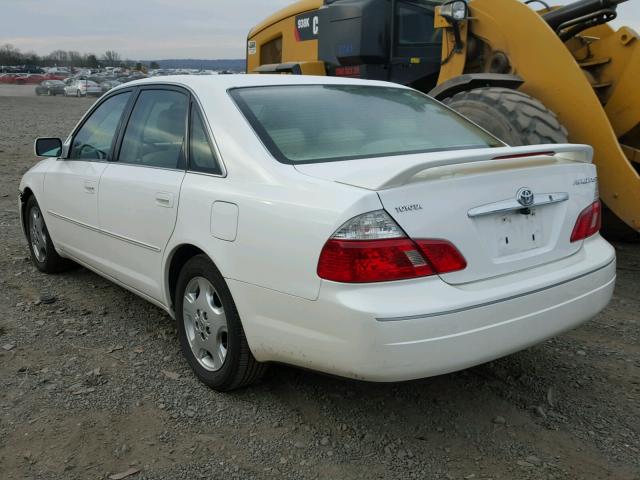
x=282 y=24
x=591 y=82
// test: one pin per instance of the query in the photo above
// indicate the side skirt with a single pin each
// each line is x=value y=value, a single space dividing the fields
x=123 y=285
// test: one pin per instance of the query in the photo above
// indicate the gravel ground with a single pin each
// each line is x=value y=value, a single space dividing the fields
x=93 y=384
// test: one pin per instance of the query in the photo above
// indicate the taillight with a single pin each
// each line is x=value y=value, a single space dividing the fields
x=355 y=261
x=442 y=255
x=588 y=223
x=373 y=248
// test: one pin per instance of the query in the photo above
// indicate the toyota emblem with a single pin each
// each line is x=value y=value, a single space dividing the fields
x=525 y=197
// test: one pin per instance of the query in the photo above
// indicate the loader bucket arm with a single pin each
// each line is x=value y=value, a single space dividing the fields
x=598 y=112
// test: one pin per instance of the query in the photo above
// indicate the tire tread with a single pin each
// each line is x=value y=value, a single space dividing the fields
x=536 y=124
x=247 y=370
x=53 y=263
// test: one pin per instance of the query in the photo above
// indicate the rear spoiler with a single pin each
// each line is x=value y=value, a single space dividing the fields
x=524 y=154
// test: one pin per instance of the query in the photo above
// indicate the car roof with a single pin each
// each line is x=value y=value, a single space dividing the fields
x=226 y=82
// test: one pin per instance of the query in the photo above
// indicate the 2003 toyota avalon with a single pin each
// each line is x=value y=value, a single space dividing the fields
x=357 y=228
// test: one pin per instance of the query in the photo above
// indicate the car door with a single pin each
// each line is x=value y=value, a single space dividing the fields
x=71 y=186
x=139 y=192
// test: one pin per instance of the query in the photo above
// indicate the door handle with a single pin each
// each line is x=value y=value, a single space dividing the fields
x=90 y=186
x=164 y=199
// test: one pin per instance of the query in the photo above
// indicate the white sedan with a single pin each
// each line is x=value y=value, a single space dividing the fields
x=357 y=228
x=82 y=88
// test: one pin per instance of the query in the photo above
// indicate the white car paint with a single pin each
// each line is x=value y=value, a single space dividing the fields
x=82 y=88
x=264 y=224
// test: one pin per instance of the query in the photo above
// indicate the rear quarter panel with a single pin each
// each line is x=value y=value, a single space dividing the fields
x=281 y=228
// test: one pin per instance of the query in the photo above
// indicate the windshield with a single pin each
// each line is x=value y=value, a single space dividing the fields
x=320 y=123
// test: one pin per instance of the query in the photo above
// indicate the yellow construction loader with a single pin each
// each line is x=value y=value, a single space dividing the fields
x=545 y=76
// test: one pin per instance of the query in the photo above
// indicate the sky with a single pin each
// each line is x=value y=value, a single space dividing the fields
x=154 y=29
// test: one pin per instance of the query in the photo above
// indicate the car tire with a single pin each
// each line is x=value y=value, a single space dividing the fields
x=209 y=328
x=43 y=253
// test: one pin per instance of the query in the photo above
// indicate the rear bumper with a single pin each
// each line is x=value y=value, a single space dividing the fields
x=414 y=329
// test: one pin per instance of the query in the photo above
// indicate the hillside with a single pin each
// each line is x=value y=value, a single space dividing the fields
x=235 y=65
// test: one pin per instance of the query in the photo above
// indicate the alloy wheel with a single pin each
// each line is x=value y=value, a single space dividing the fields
x=205 y=323
x=38 y=234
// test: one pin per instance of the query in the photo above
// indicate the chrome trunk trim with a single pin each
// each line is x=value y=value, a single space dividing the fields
x=512 y=204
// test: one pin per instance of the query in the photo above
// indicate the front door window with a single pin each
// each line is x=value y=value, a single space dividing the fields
x=95 y=138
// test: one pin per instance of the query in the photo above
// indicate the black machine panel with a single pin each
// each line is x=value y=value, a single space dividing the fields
x=355 y=39
x=355 y=32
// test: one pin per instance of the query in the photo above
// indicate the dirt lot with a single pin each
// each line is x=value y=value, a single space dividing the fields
x=94 y=384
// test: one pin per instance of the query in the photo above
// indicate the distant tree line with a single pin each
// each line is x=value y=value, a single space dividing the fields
x=10 y=55
x=232 y=64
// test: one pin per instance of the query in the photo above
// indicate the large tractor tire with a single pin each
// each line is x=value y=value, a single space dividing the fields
x=512 y=116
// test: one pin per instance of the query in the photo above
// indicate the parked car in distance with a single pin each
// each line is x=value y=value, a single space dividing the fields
x=82 y=88
x=28 y=78
x=353 y=227
x=124 y=79
x=108 y=85
x=59 y=71
x=50 y=87
x=21 y=69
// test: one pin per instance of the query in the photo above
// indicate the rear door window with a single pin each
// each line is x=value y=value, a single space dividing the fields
x=201 y=153
x=155 y=132
x=95 y=138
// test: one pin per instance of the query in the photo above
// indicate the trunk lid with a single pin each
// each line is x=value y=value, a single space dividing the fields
x=471 y=198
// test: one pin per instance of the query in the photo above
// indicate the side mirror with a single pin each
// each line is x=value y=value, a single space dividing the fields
x=48 y=147
x=455 y=11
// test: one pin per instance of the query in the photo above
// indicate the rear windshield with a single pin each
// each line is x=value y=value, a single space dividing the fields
x=322 y=123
